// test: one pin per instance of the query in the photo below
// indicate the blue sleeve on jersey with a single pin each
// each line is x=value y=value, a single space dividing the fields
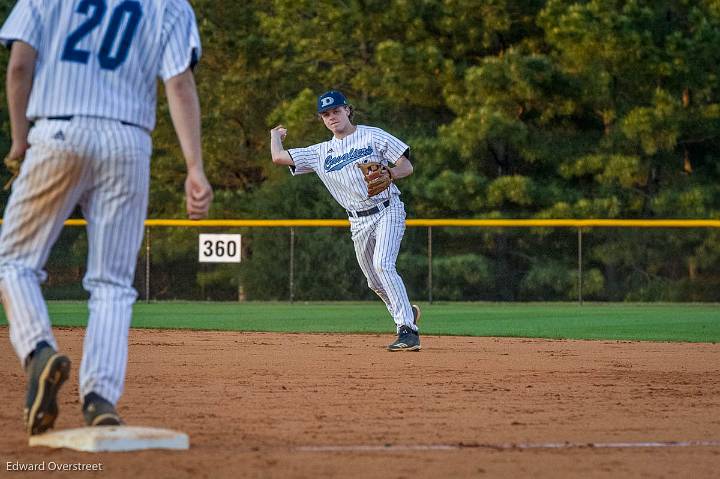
x=181 y=48
x=193 y=59
x=24 y=24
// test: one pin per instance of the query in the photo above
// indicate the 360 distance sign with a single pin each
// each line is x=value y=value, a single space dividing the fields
x=219 y=248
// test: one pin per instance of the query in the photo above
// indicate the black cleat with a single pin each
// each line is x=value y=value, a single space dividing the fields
x=47 y=371
x=97 y=411
x=407 y=340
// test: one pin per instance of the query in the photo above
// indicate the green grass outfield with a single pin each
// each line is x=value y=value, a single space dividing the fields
x=617 y=321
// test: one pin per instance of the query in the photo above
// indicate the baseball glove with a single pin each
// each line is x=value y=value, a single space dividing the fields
x=13 y=166
x=377 y=176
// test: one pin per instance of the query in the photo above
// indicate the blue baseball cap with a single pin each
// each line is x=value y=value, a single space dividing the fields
x=330 y=99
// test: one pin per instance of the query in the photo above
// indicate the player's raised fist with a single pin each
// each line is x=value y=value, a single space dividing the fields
x=280 y=131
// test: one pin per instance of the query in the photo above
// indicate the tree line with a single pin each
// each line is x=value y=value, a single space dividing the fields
x=513 y=109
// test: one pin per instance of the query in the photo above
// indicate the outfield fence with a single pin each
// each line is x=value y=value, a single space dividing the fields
x=441 y=259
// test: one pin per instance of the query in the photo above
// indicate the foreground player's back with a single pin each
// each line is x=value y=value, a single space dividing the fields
x=102 y=58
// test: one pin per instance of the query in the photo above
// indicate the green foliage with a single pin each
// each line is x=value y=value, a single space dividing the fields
x=462 y=276
x=529 y=109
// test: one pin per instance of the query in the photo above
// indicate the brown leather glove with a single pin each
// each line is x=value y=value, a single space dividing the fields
x=377 y=176
x=13 y=166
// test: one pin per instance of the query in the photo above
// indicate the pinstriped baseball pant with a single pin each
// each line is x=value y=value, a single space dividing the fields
x=103 y=166
x=377 y=241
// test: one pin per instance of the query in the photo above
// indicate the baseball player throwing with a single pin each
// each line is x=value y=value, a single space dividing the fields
x=85 y=72
x=358 y=166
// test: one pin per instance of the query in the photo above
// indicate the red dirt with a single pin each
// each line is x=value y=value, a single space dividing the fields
x=252 y=401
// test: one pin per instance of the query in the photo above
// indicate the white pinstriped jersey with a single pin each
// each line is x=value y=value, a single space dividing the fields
x=335 y=162
x=102 y=58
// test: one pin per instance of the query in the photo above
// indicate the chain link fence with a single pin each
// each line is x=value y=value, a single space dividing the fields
x=437 y=262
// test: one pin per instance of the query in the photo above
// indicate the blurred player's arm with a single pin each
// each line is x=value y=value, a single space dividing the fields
x=19 y=80
x=402 y=167
x=280 y=155
x=185 y=113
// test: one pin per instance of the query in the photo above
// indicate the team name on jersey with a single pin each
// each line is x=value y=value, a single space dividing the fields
x=334 y=163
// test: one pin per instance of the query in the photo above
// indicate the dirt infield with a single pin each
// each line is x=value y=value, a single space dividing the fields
x=267 y=405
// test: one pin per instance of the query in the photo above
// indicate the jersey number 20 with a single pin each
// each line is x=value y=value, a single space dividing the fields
x=110 y=56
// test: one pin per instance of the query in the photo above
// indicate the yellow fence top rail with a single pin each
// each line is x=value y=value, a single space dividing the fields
x=482 y=223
